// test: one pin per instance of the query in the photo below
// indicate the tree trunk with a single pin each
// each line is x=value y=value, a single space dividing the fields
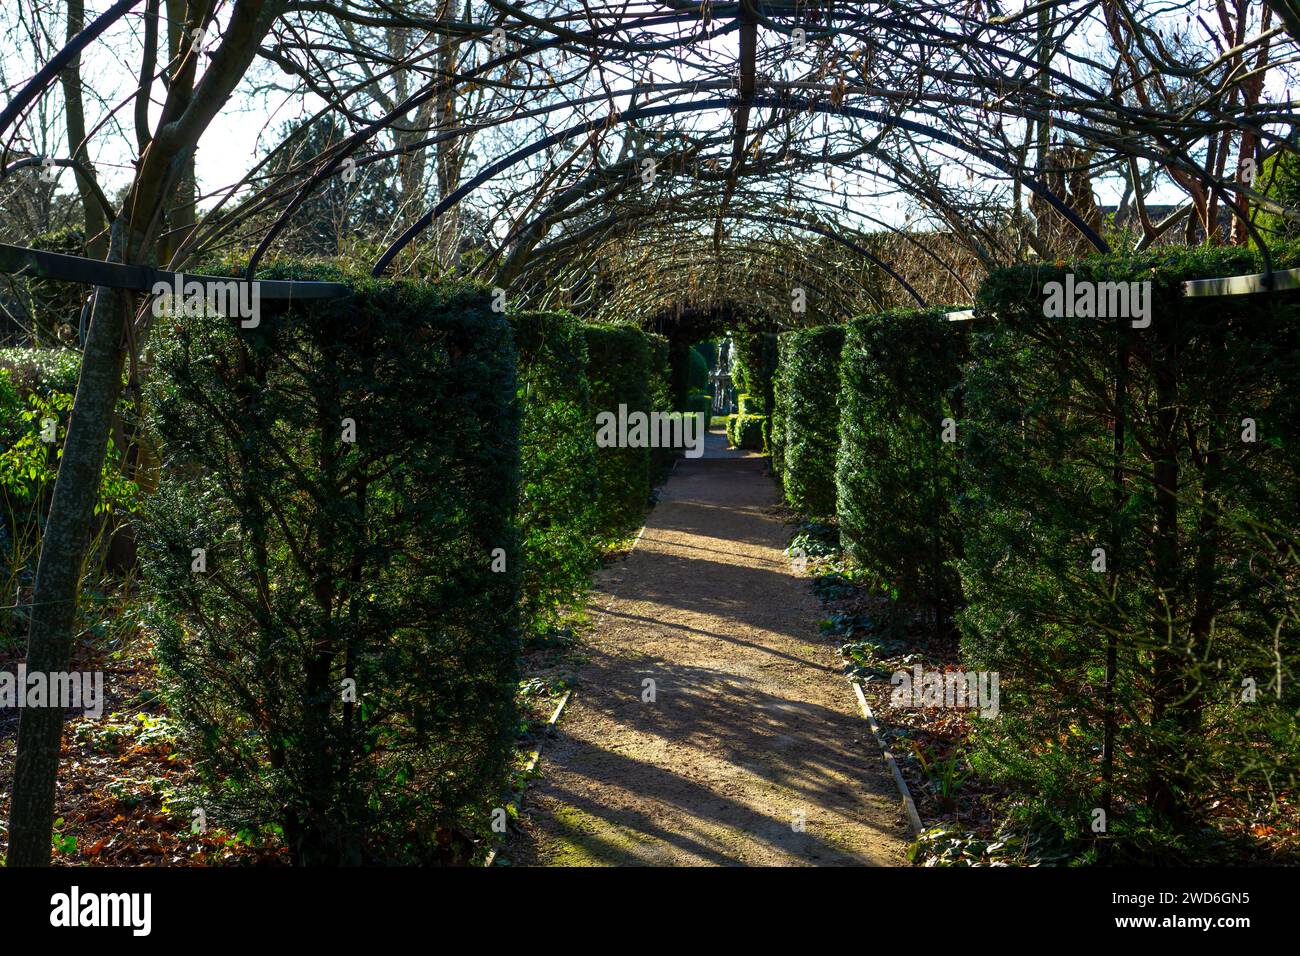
x=58 y=574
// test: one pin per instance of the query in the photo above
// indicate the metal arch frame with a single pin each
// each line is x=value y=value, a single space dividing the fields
x=669 y=109
x=834 y=291
x=818 y=230
x=553 y=248
x=678 y=266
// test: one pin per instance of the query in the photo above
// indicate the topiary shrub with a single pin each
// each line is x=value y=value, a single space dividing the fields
x=559 y=486
x=754 y=365
x=341 y=656
x=1130 y=552
x=620 y=372
x=746 y=431
x=700 y=403
x=661 y=400
x=808 y=398
x=896 y=475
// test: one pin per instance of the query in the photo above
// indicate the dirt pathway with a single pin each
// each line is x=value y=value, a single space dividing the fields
x=752 y=751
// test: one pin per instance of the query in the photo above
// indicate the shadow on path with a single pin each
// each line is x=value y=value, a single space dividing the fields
x=710 y=724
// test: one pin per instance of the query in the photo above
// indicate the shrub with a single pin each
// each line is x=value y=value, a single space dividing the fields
x=558 y=481
x=746 y=431
x=688 y=372
x=661 y=400
x=776 y=423
x=42 y=371
x=808 y=398
x=345 y=665
x=1164 y=569
x=619 y=371
x=754 y=365
x=36 y=395
x=700 y=403
x=697 y=378
x=895 y=476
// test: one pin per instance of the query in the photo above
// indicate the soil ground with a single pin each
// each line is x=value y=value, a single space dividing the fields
x=751 y=751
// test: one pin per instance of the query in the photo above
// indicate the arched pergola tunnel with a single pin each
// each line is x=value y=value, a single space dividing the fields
x=693 y=169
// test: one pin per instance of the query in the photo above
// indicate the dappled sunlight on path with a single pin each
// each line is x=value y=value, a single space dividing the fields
x=752 y=752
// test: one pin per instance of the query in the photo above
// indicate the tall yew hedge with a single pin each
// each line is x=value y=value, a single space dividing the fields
x=1130 y=561
x=896 y=477
x=559 y=484
x=806 y=417
x=621 y=372
x=341 y=658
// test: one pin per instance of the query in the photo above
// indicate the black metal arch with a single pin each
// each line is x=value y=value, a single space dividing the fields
x=782 y=102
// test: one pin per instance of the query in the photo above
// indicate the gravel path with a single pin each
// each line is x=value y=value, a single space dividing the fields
x=752 y=751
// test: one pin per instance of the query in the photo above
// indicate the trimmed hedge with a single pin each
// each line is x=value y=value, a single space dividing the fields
x=896 y=478
x=700 y=403
x=777 y=428
x=661 y=400
x=329 y=562
x=620 y=363
x=754 y=366
x=807 y=417
x=559 y=484
x=1198 y=593
x=746 y=431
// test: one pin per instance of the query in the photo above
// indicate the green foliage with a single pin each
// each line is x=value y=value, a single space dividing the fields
x=33 y=425
x=807 y=417
x=1199 y=590
x=329 y=561
x=754 y=366
x=777 y=427
x=661 y=400
x=619 y=371
x=746 y=431
x=697 y=378
x=700 y=403
x=1279 y=180
x=688 y=372
x=42 y=370
x=559 y=485
x=895 y=477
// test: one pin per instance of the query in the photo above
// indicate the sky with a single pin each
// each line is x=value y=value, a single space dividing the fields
x=250 y=122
